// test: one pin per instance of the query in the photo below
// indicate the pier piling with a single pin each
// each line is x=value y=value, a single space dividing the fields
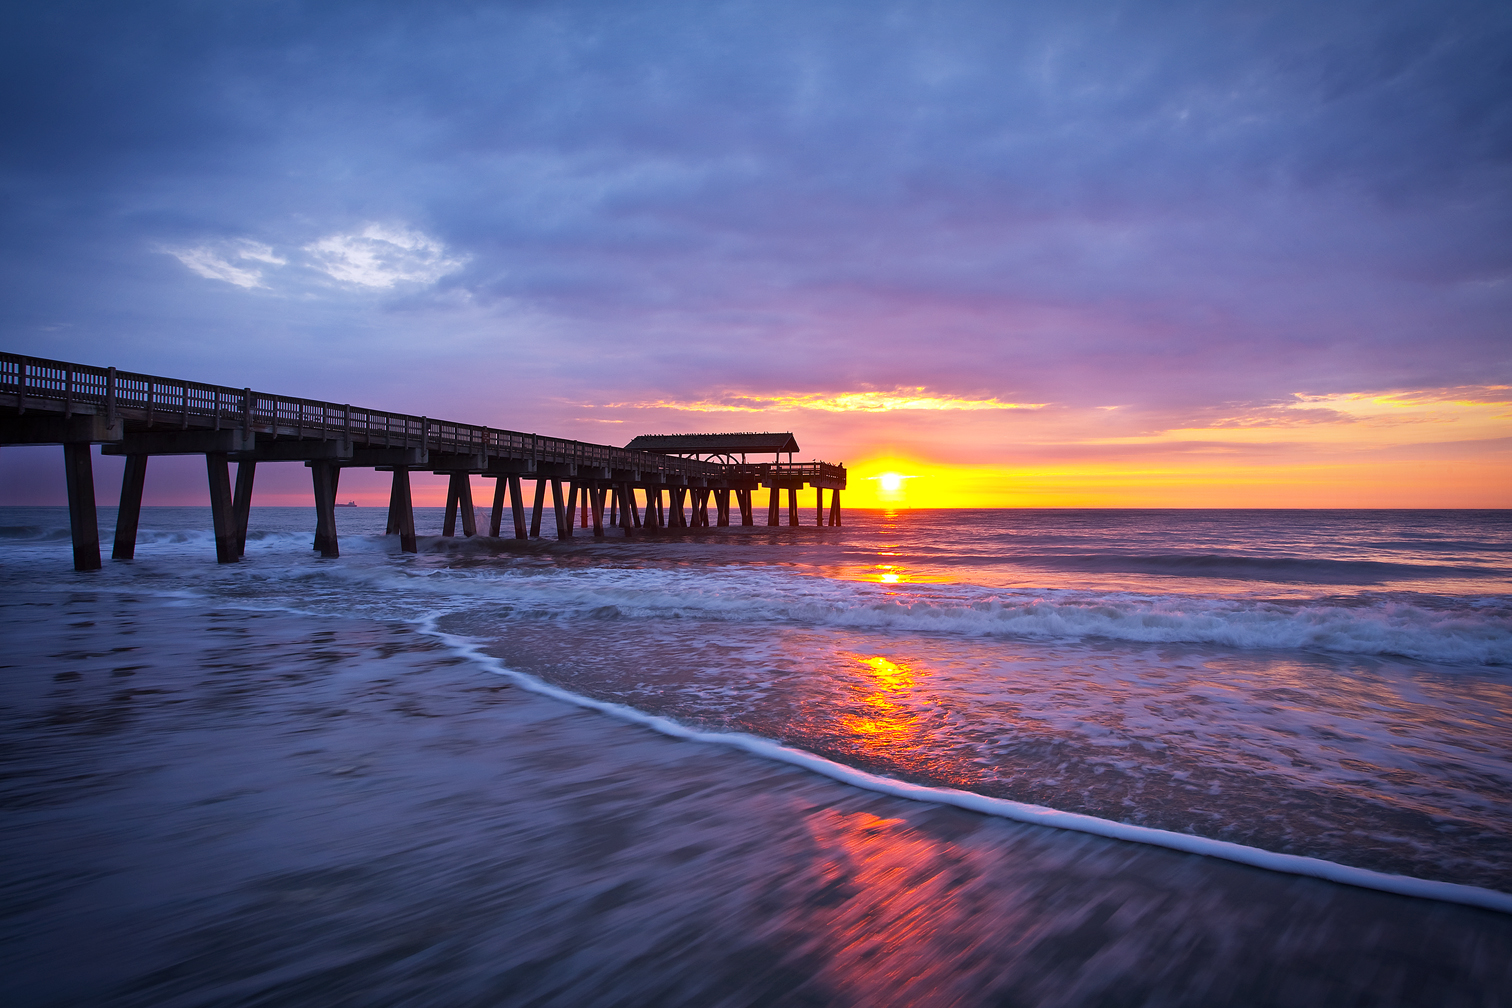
x=465 y=499
x=83 y=522
x=222 y=508
x=402 y=511
x=449 y=520
x=536 y=507
x=496 y=513
x=517 y=508
x=129 y=511
x=241 y=505
x=325 y=477
x=562 y=509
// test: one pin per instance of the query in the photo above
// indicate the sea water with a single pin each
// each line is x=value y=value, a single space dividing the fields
x=1325 y=685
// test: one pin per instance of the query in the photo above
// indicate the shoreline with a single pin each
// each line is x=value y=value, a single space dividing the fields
x=312 y=808
x=1015 y=811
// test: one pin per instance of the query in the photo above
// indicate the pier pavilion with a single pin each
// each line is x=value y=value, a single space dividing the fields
x=779 y=476
x=635 y=490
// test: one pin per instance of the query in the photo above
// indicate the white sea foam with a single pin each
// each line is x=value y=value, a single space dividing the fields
x=542 y=581
x=1291 y=864
x=1372 y=628
x=767 y=594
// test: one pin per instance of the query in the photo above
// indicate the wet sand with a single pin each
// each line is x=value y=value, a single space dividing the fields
x=217 y=807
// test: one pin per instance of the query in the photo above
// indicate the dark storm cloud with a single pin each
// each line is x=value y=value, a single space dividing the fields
x=1097 y=202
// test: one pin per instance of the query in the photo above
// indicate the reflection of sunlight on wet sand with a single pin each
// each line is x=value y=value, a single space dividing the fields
x=892 y=909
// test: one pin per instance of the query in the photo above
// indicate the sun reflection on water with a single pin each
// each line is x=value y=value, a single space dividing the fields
x=884 y=722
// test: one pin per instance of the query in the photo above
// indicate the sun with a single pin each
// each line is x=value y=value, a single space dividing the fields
x=891 y=482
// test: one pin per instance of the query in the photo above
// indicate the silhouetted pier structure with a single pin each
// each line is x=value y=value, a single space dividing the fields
x=47 y=402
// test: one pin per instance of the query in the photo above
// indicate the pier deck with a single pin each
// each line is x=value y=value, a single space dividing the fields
x=47 y=402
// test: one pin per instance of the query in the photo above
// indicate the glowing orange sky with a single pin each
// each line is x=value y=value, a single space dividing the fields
x=1423 y=448
x=1392 y=448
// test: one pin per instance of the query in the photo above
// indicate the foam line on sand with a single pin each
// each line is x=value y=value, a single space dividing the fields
x=1292 y=864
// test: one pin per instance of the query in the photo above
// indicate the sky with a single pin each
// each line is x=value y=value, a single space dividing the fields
x=1088 y=254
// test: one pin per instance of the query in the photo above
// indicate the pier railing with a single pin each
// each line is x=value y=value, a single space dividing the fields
x=157 y=400
x=139 y=416
x=808 y=472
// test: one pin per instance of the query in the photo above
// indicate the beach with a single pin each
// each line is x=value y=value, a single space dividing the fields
x=291 y=782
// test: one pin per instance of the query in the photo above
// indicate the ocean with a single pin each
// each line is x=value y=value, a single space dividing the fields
x=628 y=768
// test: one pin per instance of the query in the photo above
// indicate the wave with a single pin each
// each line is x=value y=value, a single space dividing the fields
x=1280 y=569
x=1388 y=628
x=33 y=533
x=1306 y=570
x=1291 y=864
x=1468 y=635
x=1430 y=545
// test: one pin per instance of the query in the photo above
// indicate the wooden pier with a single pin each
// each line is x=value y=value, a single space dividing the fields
x=47 y=402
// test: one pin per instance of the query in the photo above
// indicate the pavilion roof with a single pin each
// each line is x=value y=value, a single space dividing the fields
x=708 y=444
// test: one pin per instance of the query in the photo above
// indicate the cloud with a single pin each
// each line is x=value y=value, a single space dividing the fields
x=908 y=218
x=832 y=402
x=381 y=256
x=377 y=257
x=217 y=263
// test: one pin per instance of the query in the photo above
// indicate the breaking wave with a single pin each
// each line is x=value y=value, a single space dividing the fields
x=1283 y=569
x=1467 y=634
